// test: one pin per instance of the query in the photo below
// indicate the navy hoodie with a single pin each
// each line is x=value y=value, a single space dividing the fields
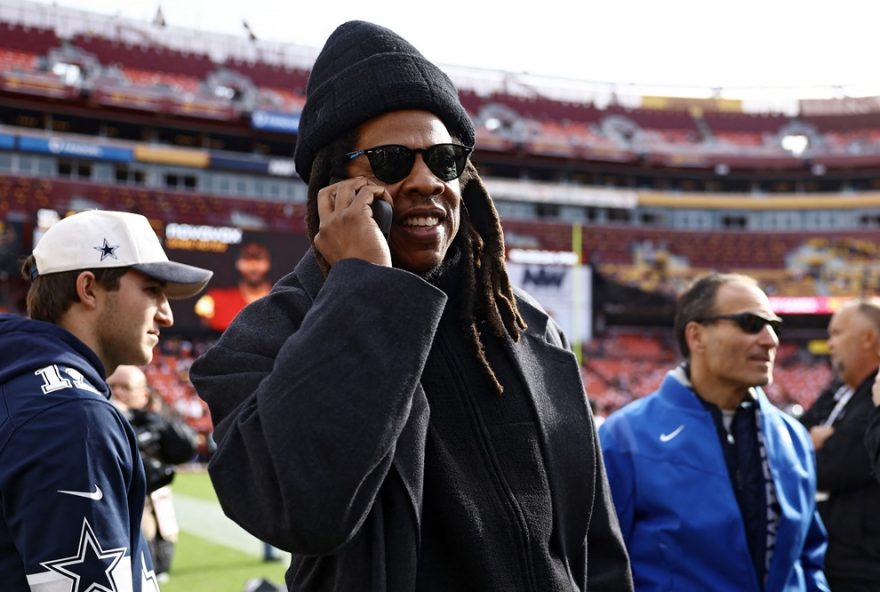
x=72 y=484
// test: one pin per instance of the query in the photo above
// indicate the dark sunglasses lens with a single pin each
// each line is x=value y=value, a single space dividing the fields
x=750 y=323
x=447 y=161
x=391 y=163
x=754 y=324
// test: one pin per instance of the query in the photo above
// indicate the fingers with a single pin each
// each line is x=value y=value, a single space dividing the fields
x=358 y=192
x=336 y=194
x=346 y=227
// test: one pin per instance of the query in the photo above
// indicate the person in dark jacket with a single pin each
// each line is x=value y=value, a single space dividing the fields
x=394 y=413
x=164 y=441
x=71 y=482
x=872 y=436
x=848 y=492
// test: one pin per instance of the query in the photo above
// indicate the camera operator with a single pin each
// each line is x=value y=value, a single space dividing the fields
x=164 y=442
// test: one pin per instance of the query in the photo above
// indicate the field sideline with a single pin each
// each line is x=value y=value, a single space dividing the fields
x=213 y=554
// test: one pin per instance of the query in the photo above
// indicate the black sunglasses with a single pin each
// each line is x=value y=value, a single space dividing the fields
x=392 y=163
x=749 y=322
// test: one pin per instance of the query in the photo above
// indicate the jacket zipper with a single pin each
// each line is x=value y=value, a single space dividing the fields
x=503 y=491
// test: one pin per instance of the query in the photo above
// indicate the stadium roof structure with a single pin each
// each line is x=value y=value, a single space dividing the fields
x=219 y=48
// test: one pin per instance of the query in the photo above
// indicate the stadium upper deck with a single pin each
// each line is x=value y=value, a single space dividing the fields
x=527 y=125
x=194 y=127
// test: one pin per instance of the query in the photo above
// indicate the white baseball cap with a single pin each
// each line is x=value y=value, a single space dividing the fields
x=98 y=239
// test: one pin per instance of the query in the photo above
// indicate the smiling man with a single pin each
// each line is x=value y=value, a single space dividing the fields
x=714 y=487
x=394 y=413
x=72 y=485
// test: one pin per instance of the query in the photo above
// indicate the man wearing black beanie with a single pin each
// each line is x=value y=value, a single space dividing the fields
x=395 y=414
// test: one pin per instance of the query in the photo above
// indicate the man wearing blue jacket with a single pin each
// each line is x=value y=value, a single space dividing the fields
x=72 y=484
x=715 y=487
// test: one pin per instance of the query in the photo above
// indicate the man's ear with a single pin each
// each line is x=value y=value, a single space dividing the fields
x=872 y=339
x=694 y=335
x=86 y=289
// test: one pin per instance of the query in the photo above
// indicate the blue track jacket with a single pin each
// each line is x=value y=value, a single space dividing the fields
x=677 y=508
x=72 y=482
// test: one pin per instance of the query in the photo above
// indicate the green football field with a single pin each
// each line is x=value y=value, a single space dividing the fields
x=212 y=554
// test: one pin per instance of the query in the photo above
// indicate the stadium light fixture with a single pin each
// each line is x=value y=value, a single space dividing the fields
x=71 y=74
x=795 y=143
x=493 y=123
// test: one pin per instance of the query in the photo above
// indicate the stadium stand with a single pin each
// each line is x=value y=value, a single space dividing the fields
x=189 y=128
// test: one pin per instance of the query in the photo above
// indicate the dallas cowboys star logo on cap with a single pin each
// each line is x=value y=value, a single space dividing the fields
x=107 y=250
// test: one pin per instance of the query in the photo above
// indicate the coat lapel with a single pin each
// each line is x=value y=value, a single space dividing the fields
x=552 y=379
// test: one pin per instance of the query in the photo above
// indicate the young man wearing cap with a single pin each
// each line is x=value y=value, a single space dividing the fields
x=394 y=413
x=72 y=484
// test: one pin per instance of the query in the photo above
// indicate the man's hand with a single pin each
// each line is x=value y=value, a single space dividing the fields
x=819 y=434
x=347 y=229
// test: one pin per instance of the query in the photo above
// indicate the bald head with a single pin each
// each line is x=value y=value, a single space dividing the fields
x=128 y=386
x=854 y=340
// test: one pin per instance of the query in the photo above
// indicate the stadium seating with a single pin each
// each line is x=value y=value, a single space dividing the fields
x=27 y=39
x=26 y=194
x=292 y=80
x=154 y=78
x=14 y=60
x=623 y=367
x=147 y=83
x=145 y=57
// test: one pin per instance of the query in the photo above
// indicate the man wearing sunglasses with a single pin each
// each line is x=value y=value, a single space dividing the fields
x=394 y=413
x=713 y=485
x=849 y=495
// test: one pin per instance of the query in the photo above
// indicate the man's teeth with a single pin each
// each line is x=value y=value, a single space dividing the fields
x=422 y=221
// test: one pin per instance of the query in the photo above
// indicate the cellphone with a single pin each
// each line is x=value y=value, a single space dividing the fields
x=382 y=215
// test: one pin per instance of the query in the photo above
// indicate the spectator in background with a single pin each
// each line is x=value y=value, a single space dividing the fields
x=71 y=482
x=872 y=438
x=220 y=305
x=848 y=493
x=394 y=413
x=713 y=485
x=598 y=418
x=164 y=441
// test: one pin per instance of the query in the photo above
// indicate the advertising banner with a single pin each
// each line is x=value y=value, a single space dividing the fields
x=563 y=291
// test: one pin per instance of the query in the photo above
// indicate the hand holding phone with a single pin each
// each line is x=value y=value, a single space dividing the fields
x=355 y=221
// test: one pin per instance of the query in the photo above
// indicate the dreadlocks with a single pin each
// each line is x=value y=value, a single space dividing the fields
x=487 y=294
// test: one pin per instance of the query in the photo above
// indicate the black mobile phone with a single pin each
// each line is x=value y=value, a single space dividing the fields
x=382 y=215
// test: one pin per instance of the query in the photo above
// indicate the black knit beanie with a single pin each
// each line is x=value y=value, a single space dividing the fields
x=363 y=71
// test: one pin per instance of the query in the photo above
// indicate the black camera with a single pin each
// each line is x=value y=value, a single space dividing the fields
x=149 y=437
x=163 y=442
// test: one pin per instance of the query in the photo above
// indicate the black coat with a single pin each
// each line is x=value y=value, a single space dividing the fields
x=872 y=441
x=321 y=423
x=852 y=512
